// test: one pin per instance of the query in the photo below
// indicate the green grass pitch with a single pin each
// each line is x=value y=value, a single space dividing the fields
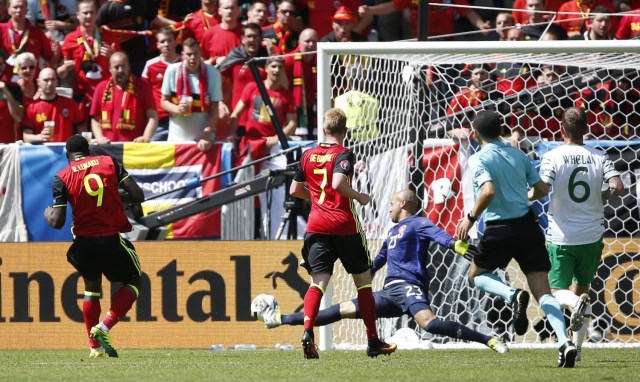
x=273 y=365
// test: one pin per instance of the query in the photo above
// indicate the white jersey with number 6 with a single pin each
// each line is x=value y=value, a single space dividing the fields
x=577 y=174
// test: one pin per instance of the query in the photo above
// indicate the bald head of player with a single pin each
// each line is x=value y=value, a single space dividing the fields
x=404 y=204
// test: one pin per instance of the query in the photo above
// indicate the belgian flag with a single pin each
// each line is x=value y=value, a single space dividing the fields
x=162 y=167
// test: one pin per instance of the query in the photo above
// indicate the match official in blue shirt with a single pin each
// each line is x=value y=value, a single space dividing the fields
x=501 y=177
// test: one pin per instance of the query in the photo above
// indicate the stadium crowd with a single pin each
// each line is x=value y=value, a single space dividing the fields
x=127 y=96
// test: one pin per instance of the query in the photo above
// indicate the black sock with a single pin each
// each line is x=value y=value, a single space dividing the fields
x=456 y=330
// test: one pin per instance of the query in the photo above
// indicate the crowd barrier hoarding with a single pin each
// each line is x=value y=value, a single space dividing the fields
x=156 y=167
x=196 y=293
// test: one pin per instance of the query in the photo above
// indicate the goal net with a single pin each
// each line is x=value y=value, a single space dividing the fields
x=409 y=107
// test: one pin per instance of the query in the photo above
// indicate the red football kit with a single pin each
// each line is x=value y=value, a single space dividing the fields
x=153 y=74
x=90 y=184
x=61 y=110
x=86 y=49
x=109 y=108
x=331 y=213
x=218 y=42
x=32 y=40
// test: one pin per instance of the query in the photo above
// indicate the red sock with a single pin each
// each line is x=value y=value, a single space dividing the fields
x=367 y=306
x=311 y=306
x=121 y=302
x=91 y=313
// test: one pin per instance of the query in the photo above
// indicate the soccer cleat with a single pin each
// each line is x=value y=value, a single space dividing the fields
x=309 y=348
x=567 y=355
x=97 y=353
x=520 y=304
x=577 y=314
x=578 y=353
x=497 y=345
x=377 y=347
x=104 y=339
x=272 y=317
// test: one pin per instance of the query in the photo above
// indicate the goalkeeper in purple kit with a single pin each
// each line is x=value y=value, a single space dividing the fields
x=406 y=286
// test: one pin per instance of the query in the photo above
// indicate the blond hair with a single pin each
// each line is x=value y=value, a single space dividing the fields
x=335 y=121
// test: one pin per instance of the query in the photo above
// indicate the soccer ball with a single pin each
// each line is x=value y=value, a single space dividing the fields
x=260 y=303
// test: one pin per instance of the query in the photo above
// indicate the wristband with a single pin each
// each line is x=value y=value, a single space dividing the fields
x=471 y=218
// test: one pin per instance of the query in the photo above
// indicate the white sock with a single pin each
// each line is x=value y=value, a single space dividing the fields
x=578 y=338
x=566 y=298
x=104 y=327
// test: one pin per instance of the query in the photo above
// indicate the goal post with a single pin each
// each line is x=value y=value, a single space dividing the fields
x=409 y=106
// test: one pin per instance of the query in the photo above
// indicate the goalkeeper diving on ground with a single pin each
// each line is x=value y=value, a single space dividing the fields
x=406 y=286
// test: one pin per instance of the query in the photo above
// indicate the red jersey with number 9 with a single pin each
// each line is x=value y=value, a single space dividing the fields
x=90 y=185
x=331 y=213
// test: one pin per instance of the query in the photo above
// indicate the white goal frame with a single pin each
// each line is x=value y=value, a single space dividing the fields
x=413 y=48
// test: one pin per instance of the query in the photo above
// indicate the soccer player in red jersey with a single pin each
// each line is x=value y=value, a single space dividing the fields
x=334 y=232
x=51 y=118
x=90 y=184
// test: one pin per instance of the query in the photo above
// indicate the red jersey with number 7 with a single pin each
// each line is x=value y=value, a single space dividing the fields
x=90 y=185
x=331 y=213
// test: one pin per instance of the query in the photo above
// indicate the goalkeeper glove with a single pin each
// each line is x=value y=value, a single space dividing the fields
x=464 y=249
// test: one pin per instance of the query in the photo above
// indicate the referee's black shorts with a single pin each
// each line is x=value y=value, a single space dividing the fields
x=520 y=239
x=321 y=251
x=112 y=256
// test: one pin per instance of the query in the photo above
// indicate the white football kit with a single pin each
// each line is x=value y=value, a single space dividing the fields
x=577 y=174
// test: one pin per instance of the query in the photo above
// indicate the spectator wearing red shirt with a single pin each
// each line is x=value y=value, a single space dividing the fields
x=320 y=14
x=153 y=75
x=440 y=17
x=629 y=26
x=574 y=15
x=466 y=99
x=51 y=118
x=218 y=41
x=200 y=21
x=10 y=111
x=86 y=52
x=540 y=121
x=19 y=36
x=123 y=109
x=301 y=68
x=281 y=33
x=261 y=137
x=236 y=75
